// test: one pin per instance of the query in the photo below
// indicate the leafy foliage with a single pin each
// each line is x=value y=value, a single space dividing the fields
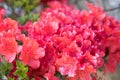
x=5 y=68
x=21 y=70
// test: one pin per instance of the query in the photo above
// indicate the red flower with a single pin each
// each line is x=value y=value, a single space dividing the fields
x=8 y=31
x=31 y=52
x=113 y=45
x=49 y=59
x=8 y=48
x=63 y=39
x=8 y=24
x=50 y=74
x=82 y=75
x=67 y=65
x=73 y=40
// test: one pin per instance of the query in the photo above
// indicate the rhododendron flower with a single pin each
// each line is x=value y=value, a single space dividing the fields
x=113 y=44
x=8 y=48
x=75 y=42
x=8 y=24
x=83 y=75
x=67 y=65
x=31 y=52
x=65 y=40
x=8 y=45
x=49 y=59
x=50 y=74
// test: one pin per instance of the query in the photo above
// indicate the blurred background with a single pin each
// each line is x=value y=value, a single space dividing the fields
x=22 y=10
x=112 y=7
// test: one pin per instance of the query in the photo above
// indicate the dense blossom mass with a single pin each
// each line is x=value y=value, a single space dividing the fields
x=64 y=40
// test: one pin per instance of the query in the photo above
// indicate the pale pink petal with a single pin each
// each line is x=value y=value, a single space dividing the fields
x=10 y=57
x=40 y=52
x=34 y=63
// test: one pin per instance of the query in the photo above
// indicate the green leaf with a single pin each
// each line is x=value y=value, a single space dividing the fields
x=23 y=19
x=11 y=79
x=59 y=75
x=5 y=67
x=101 y=69
x=31 y=16
x=21 y=70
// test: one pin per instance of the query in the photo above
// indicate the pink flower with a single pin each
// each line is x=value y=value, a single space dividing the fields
x=8 y=24
x=31 y=52
x=67 y=65
x=8 y=48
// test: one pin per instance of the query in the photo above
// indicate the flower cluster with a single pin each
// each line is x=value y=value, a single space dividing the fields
x=11 y=48
x=64 y=40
